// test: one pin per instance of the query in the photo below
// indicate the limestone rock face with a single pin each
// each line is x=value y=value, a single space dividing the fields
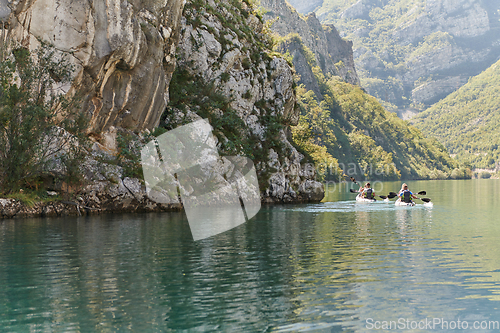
x=123 y=53
x=357 y=10
x=259 y=85
x=459 y=25
x=333 y=54
x=460 y=18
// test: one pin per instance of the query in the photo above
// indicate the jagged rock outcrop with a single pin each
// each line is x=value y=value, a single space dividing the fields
x=295 y=47
x=332 y=53
x=341 y=50
x=123 y=53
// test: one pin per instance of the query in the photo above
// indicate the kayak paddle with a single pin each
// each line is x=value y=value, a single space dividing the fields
x=393 y=195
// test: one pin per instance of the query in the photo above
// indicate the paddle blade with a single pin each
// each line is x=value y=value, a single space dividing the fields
x=422 y=193
x=392 y=195
x=425 y=199
x=382 y=197
x=353 y=191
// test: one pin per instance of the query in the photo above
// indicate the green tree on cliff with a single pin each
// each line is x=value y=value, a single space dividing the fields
x=40 y=131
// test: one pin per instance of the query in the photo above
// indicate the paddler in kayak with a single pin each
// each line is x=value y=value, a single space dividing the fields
x=367 y=192
x=405 y=195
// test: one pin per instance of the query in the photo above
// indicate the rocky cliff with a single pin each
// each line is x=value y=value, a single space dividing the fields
x=228 y=73
x=332 y=53
x=123 y=53
x=430 y=48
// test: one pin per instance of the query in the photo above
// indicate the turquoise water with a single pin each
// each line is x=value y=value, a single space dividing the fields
x=329 y=267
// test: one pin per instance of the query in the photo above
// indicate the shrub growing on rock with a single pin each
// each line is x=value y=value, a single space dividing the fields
x=41 y=130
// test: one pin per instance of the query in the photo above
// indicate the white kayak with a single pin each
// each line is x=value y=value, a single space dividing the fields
x=359 y=198
x=402 y=203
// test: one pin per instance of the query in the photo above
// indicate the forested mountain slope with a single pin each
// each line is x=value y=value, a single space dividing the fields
x=342 y=124
x=411 y=53
x=366 y=139
x=467 y=122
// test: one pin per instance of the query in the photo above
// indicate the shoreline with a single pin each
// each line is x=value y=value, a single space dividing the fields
x=119 y=199
x=127 y=195
x=11 y=209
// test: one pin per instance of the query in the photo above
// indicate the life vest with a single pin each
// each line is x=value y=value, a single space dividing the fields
x=368 y=193
x=406 y=196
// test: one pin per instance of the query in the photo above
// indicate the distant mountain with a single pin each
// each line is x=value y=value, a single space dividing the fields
x=339 y=122
x=467 y=122
x=412 y=53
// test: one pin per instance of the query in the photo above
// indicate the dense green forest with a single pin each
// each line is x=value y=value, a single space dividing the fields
x=403 y=45
x=467 y=121
x=366 y=139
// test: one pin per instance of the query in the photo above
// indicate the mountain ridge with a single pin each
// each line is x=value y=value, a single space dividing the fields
x=438 y=45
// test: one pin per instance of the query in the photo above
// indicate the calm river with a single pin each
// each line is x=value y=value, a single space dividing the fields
x=329 y=267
